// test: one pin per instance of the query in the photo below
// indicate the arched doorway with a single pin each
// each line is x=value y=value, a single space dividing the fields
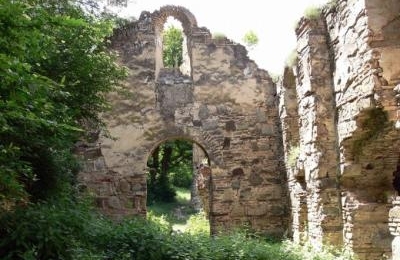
x=178 y=184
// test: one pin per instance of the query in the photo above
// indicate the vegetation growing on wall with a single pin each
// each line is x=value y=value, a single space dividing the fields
x=250 y=39
x=218 y=36
x=312 y=12
x=293 y=155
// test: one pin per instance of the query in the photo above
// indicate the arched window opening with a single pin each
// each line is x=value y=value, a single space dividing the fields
x=176 y=187
x=174 y=47
x=172 y=44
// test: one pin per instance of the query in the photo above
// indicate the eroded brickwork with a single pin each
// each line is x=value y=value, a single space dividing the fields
x=346 y=78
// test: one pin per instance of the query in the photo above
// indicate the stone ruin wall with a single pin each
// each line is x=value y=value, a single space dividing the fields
x=340 y=126
x=338 y=108
x=222 y=102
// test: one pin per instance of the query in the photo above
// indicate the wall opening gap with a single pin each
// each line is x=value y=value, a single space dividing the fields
x=177 y=187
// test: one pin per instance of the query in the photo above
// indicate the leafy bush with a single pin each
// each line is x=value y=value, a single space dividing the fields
x=250 y=39
x=54 y=73
x=308 y=251
x=68 y=229
x=170 y=165
x=172 y=49
x=312 y=12
x=46 y=230
x=181 y=176
x=198 y=224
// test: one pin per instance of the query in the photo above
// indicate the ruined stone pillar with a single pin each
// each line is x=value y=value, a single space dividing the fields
x=318 y=155
x=288 y=113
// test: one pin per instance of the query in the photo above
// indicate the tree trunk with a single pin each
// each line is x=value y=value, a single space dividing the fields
x=165 y=162
x=154 y=168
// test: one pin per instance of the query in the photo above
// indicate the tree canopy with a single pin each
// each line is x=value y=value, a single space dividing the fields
x=172 y=47
x=55 y=70
x=250 y=39
x=171 y=164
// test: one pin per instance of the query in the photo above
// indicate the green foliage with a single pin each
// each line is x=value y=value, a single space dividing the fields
x=250 y=39
x=172 y=47
x=168 y=211
x=198 y=224
x=218 y=36
x=68 y=229
x=307 y=251
x=292 y=59
x=293 y=155
x=182 y=175
x=48 y=230
x=170 y=165
x=312 y=12
x=275 y=77
x=54 y=72
x=140 y=239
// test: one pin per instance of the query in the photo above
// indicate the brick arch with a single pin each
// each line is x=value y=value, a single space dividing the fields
x=188 y=22
x=183 y=137
x=178 y=12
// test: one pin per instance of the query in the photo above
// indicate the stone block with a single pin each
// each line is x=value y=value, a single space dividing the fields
x=99 y=164
x=256 y=210
x=267 y=129
x=124 y=186
x=137 y=187
x=238 y=210
x=255 y=179
x=210 y=124
x=203 y=112
x=230 y=126
x=114 y=202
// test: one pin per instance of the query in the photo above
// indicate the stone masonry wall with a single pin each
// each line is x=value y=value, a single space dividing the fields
x=224 y=104
x=317 y=132
x=347 y=73
x=339 y=121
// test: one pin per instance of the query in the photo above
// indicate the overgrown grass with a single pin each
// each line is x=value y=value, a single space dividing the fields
x=176 y=213
x=70 y=229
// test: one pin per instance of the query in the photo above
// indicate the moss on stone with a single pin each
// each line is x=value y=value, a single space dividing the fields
x=293 y=155
x=312 y=12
